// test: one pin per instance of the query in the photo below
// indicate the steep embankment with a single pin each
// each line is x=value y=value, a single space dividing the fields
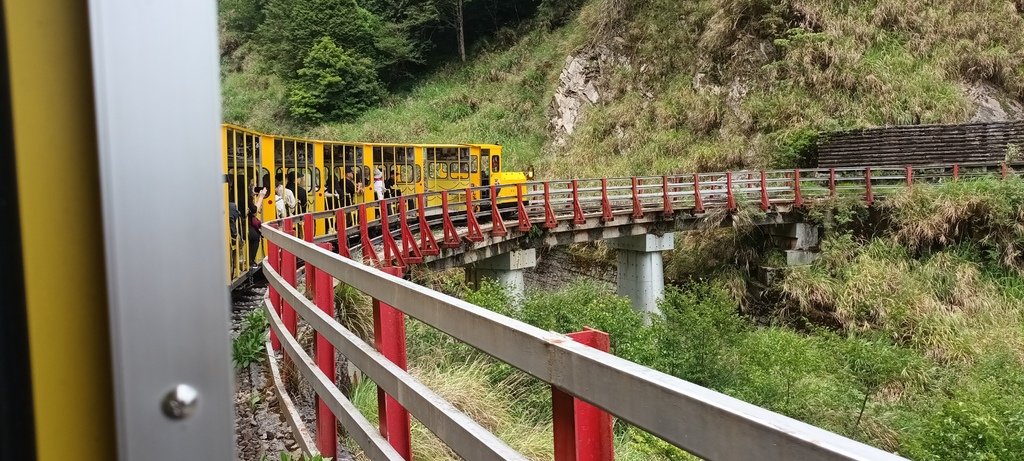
x=643 y=87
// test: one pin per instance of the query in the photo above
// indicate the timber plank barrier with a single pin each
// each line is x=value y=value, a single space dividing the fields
x=369 y=246
x=922 y=144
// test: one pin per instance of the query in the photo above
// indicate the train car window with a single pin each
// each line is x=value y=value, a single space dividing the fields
x=495 y=163
x=474 y=164
x=265 y=179
x=464 y=167
x=314 y=184
x=417 y=173
x=442 y=170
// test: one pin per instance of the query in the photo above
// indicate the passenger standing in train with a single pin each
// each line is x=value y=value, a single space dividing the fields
x=253 y=218
x=298 y=188
x=349 y=191
x=378 y=185
x=389 y=185
x=284 y=199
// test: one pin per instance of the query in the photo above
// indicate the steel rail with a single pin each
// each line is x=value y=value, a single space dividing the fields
x=460 y=432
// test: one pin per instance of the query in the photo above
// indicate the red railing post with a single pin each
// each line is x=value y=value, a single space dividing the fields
x=326 y=423
x=274 y=259
x=667 y=206
x=798 y=198
x=307 y=234
x=391 y=251
x=524 y=217
x=549 y=215
x=638 y=209
x=765 y=202
x=831 y=182
x=606 y=204
x=910 y=176
x=869 y=197
x=342 y=233
x=428 y=245
x=577 y=211
x=582 y=432
x=451 y=237
x=497 y=225
x=730 y=199
x=389 y=338
x=473 y=233
x=956 y=171
x=698 y=201
x=369 y=252
x=410 y=251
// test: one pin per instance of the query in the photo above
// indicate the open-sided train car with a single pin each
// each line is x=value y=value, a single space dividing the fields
x=314 y=171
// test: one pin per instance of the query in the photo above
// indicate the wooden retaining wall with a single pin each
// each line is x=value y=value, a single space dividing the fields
x=921 y=144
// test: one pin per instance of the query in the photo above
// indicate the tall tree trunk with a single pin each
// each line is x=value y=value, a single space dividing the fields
x=460 y=26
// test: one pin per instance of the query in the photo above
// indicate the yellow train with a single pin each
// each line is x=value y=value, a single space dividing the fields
x=306 y=175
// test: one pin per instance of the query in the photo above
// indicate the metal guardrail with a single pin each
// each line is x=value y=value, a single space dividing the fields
x=701 y=421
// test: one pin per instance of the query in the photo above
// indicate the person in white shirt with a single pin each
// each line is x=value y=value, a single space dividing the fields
x=378 y=185
x=284 y=199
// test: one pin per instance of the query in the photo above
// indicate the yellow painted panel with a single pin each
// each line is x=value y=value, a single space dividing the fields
x=62 y=239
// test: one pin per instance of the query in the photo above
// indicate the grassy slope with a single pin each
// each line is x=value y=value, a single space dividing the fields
x=710 y=84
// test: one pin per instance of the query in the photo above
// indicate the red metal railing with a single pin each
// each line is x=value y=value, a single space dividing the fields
x=386 y=234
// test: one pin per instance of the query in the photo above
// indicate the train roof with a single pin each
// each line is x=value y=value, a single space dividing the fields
x=353 y=143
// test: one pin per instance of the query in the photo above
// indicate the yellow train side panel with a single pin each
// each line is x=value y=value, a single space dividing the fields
x=318 y=197
x=62 y=237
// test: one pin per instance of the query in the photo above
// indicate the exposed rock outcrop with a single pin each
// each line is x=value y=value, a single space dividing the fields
x=993 y=104
x=580 y=86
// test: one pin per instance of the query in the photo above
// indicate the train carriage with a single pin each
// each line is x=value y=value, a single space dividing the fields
x=314 y=172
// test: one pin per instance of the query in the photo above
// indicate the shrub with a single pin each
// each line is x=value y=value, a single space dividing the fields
x=986 y=211
x=333 y=85
x=701 y=325
x=247 y=348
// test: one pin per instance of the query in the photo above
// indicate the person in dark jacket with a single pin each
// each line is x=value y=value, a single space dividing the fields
x=254 y=223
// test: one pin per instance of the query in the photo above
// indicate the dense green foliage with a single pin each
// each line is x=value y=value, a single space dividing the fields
x=333 y=85
x=386 y=43
x=710 y=84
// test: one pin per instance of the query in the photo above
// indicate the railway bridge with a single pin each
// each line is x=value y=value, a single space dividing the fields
x=590 y=386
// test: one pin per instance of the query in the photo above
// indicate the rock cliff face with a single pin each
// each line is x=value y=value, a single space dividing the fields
x=579 y=86
x=993 y=104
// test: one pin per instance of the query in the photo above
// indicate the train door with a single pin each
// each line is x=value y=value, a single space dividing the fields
x=245 y=174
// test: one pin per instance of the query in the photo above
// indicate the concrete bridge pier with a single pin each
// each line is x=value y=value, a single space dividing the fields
x=506 y=269
x=799 y=240
x=641 y=274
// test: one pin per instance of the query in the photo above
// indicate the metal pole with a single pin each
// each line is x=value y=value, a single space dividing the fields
x=582 y=432
x=389 y=338
x=326 y=422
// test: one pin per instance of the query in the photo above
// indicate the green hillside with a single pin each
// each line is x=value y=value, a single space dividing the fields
x=691 y=85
